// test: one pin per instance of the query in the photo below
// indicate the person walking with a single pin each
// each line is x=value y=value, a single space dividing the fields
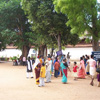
x=42 y=75
x=56 y=68
x=64 y=67
x=52 y=66
x=92 y=64
x=48 y=70
x=81 y=71
x=37 y=67
x=87 y=66
x=29 y=68
x=37 y=73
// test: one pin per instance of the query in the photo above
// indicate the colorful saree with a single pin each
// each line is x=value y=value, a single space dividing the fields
x=37 y=73
x=52 y=67
x=64 y=72
x=81 y=71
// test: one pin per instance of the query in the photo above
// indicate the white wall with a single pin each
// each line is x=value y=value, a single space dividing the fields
x=75 y=53
x=14 y=52
x=10 y=52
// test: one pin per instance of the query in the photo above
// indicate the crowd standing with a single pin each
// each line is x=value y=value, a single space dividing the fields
x=59 y=66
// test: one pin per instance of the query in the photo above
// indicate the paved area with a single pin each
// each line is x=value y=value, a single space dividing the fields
x=15 y=86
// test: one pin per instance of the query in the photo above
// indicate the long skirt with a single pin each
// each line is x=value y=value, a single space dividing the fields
x=37 y=74
x=81 y=73
x=52 y=68
x=64 y=77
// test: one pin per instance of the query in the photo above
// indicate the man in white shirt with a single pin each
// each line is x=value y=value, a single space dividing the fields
x=92 y=64
x=29 y=68
x=48 y=69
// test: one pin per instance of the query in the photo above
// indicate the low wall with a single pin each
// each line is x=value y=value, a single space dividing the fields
x=75 y=53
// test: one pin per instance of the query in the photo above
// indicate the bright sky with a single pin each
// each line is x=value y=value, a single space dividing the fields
x=98 y=1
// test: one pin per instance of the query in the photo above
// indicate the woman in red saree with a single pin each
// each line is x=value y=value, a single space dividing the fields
x=37 y=67
x=37 y=73
x=81 y=71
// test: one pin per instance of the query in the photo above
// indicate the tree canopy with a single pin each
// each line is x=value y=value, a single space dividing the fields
x=14 y=25
x=45 y=20
x=36 y=24
x=83 y=16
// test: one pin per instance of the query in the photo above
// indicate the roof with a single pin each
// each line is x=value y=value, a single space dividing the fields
x=79 y=46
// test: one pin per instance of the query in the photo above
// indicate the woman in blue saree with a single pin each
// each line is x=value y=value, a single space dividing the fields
x=64 y=67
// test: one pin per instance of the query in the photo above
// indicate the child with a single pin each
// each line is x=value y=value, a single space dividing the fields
x=42 y=75
x=56 y=67
x=75 y=71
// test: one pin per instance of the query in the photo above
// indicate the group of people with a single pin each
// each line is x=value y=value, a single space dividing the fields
x=60 y=66
x=88 y=66
x=22 y=61
x=42 y=69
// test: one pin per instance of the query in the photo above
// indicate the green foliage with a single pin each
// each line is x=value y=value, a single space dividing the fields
x=47 y=23
x=82 y=14
x=14 y=58
x=14 y=25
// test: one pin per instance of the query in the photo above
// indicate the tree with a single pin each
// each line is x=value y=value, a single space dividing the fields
x=83 y=16
x=45 y=20
x=14 y=25
x=5 y=38
x=2 y=42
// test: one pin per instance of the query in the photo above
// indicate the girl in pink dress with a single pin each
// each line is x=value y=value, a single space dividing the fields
x=81 y=71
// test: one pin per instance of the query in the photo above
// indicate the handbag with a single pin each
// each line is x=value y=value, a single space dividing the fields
x=98 y=70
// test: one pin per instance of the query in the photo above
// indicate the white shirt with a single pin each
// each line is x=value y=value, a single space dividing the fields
x=92 y=63
x=48 y=64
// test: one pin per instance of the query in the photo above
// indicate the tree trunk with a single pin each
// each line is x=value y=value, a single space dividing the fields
x=42 y=49
x=95 y=41
x=95 y=45
x=25 y=51
x=52 y=52
x=59 y=42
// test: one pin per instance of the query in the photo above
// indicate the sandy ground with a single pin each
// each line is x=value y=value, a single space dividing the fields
x=15 y=86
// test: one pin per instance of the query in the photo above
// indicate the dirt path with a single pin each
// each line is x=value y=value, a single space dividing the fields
x=15 y=86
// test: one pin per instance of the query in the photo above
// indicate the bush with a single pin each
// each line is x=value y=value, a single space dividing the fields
x=14 y=58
